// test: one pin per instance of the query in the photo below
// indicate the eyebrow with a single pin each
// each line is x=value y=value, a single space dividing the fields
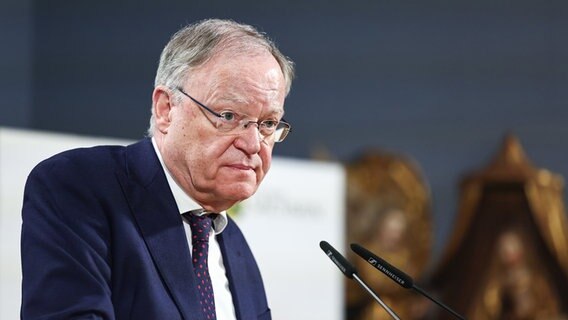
x=232 y=98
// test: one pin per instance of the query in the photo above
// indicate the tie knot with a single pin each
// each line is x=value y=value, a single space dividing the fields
x=200 y=227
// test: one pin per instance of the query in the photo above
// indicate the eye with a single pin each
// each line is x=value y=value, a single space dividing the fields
x=228 y=116
x=270 y=124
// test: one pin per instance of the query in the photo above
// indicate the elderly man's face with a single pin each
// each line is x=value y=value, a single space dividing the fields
x=216 y=168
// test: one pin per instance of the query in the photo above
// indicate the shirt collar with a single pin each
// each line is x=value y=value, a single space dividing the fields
x=183 y=201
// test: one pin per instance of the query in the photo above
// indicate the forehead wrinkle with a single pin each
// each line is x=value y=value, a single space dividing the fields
x=224 y=90
x=232 y=84
x=220 y=90
x=228 y=98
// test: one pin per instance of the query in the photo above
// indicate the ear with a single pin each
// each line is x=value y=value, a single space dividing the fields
x=162 y=103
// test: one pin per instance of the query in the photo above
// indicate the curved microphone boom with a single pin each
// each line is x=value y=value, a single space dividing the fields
x=396 y=275
x=350 y=272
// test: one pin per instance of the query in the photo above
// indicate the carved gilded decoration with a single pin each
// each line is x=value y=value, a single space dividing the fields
x=508 y=255
x=388 y=213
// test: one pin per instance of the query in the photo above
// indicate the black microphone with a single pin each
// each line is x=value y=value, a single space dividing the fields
x=347 y=268
x=396 y=275
x=350 y=272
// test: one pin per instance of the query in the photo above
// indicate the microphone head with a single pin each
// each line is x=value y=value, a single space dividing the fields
x=390 y=271
x=347 y=268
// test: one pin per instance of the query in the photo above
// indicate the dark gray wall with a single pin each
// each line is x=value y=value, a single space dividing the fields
x=16 y=23
x=440 y=81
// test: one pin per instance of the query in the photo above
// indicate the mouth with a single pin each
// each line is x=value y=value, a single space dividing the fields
x=241 y=167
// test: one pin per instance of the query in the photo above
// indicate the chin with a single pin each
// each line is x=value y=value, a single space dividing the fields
x=239 y=191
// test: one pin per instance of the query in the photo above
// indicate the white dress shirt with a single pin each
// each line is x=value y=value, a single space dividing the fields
x=223 y=299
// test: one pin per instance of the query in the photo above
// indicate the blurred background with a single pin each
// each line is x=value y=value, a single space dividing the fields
x=424 y=89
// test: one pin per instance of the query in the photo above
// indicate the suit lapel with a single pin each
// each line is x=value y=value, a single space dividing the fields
x=236 y=269
x=157 y=216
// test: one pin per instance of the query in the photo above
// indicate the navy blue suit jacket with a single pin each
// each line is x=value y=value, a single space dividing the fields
x=102 y=239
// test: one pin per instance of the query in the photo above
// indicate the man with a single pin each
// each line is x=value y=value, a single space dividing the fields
x=108 y=231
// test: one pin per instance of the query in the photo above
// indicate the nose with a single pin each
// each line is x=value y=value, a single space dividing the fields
x=249 y=138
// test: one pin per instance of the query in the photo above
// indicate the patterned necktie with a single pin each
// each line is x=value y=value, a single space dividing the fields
x=200 y=229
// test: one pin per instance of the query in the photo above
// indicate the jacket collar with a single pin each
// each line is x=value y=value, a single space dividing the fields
x=160 y=223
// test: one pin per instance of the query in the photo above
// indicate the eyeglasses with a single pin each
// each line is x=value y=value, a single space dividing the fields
x=232 y=122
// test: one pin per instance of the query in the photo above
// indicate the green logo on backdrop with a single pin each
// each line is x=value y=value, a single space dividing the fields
x=235 y=210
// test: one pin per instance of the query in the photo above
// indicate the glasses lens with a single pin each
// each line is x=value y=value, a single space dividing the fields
x=281 y=131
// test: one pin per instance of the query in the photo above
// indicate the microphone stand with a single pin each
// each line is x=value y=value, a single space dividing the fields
x=375 y=296
x=439 y=303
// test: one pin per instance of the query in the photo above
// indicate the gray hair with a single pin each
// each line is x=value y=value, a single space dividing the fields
x=195 y=44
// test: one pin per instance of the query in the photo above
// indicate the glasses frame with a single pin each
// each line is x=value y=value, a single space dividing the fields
x=287 y=129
